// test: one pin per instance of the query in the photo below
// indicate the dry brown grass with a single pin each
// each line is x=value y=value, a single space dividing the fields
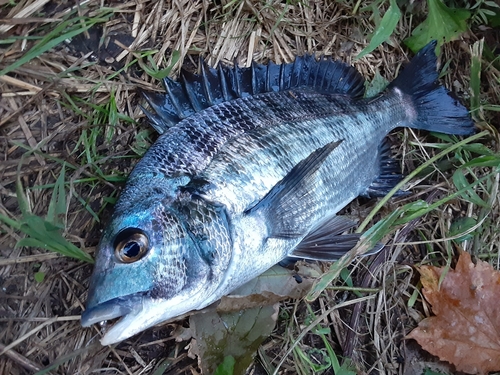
x=40 y=320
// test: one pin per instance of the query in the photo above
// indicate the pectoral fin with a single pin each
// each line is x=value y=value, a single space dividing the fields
x=287 y=205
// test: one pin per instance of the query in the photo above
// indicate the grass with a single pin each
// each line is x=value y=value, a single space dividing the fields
x=67 y=29
x=46 y=233
x=71 y=129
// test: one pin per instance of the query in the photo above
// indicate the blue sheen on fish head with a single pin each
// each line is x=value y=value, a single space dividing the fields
x=129 y=243
x=156 y=260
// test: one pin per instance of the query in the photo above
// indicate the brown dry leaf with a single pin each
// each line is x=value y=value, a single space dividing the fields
x=466 y=328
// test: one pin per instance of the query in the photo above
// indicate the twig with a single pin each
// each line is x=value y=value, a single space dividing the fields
x=20 y=359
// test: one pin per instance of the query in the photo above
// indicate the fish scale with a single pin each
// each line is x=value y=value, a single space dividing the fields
x=197 y=138
x=290 y=140
x=252 y=167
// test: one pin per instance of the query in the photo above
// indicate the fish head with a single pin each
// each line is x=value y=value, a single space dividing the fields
x=154 y=263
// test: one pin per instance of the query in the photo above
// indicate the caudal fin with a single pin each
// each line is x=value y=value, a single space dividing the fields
x=436 y=109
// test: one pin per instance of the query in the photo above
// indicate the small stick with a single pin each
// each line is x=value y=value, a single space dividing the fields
x=20 y=359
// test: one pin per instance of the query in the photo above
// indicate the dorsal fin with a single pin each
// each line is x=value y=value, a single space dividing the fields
x=196 y=92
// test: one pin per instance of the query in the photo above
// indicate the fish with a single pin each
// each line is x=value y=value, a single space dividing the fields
x=252 y=167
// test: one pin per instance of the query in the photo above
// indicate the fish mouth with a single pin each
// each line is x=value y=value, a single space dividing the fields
x=127 y=308
x=137 y=312
x=111 y=309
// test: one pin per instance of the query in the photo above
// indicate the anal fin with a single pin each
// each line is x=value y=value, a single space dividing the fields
x=327 y=243
x=389 y=175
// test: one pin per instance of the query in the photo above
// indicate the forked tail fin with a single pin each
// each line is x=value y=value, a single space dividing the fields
x=436 y=110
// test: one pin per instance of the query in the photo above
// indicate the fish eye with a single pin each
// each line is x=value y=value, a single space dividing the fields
x=130 y=245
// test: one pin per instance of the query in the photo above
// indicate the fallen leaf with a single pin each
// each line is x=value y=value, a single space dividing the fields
x=466 y=328
x=246 y=317
x=219 y=335
x=274 y=285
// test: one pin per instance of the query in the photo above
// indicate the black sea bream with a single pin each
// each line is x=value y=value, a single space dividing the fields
x=252 y=167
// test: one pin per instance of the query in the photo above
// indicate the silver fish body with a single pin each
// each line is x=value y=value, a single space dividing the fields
x=239 y=185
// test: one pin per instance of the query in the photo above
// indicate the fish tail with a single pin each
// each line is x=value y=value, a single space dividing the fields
x=433 y=107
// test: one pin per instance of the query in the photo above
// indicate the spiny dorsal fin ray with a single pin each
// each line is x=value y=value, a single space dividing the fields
x=281 y=206
x=212 y=84
x=259 y=77
x=196 y=92
x=228 y=83
x=158 y=123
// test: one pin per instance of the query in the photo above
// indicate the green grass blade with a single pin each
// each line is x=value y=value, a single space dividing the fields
x=384 y=29
x=469 y=194
x=156 y=73
x=11 y=223
x=414 y=173
x=484 y=161
x=57 y=205
x=42 y=233
x=21 y=198
x=400 y=216
x=475 y=78
x=65 y=30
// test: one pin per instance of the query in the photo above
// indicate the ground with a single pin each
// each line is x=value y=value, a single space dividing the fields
x=71 y=129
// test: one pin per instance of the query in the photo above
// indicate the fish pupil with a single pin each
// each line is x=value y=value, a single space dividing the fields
x=132 y=249
x=130 y=244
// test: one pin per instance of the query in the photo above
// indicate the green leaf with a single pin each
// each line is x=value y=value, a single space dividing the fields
x=442 y=24
x=430 y=372
x=226 y=367
x=30 y=242
x=39 y=276
x=378 y=84
x=483 y=161
x=384 y=30
x=460 y=226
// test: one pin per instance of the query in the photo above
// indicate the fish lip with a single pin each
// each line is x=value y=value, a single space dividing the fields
x=137 y=312
x=114 y=308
